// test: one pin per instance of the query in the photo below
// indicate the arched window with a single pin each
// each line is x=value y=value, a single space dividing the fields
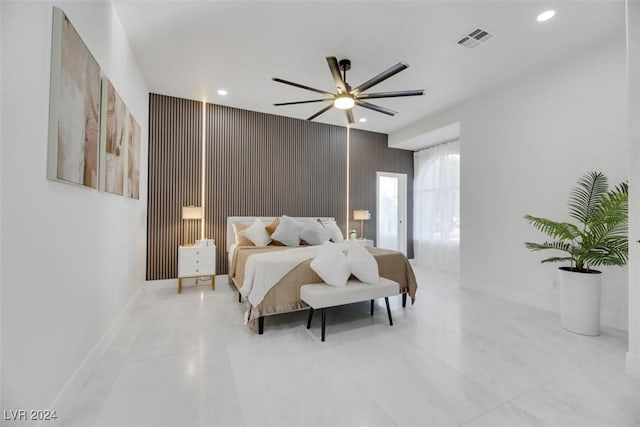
x=440 y=197
x=436 y=201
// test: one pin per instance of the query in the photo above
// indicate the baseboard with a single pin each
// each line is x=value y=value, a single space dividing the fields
x=614 y=320
x=547 y=301
x=633 y=364
x=81 y=374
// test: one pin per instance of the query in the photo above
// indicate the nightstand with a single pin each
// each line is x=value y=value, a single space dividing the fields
x=196 y=261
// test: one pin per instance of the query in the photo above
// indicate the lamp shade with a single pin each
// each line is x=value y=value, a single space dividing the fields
x=191 y=212
x=361 y=215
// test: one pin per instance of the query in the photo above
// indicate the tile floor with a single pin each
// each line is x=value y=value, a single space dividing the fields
x=455 y=358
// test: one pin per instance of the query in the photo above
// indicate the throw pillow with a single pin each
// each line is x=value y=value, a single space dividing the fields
x=257 y=234
x=288 y=231
x=314 y=233
x=362 y=264
x=241 y=240
x=272 y=227
x=334 y=230
x=331 y=265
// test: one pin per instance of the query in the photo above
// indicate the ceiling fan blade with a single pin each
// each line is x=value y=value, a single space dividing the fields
x=349 y=114
x=381 y=77
x=302 y=102
x=324 y=92
x=391 y=94
x=324 y=110
x=335 y=72
x=377 y=108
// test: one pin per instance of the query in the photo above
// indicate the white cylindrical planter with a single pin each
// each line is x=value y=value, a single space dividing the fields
x=580 y=301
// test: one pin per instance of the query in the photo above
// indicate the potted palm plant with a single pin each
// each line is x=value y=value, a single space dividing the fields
x=598 y=239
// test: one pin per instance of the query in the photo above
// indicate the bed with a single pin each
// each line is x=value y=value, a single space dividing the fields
x=284 y=296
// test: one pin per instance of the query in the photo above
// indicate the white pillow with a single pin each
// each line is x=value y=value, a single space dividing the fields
x=331 y=265
x=314 y=234
x=288 y=231
x=257 y=234
x=241 y=239
x=334 y=230
x=362 y=264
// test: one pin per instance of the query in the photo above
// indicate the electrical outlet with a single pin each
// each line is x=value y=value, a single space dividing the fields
x=554 y=284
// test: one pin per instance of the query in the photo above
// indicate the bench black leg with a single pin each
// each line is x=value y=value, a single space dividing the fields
x=323 y=319
x=239 y=297
x=260 y=325
x=386 y=300
x=404 y=299
x=310 y=317
x=372 y=307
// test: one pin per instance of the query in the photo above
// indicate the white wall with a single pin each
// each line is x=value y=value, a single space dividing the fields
x=72 y=257
x=522 y=149
x=633 y=73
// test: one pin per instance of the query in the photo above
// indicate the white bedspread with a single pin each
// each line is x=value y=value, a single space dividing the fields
x=263 y=271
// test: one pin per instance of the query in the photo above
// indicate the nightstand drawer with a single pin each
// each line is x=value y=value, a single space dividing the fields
x=193 y=263
x=200 y=259
x=195 y=269
x=196 y=252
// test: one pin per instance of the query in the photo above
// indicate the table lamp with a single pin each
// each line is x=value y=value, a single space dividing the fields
x=361 y=215
x=189 y=213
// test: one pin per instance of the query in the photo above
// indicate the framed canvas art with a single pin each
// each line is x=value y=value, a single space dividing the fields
x=133 y=157
x=113 y=140
x=74 y=107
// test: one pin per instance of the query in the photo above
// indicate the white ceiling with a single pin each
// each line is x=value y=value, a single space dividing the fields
x=191 y=49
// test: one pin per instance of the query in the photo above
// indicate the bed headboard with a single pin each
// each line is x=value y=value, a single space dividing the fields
x=231 y=237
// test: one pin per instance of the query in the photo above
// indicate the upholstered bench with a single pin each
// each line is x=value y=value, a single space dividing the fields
x=321 y=295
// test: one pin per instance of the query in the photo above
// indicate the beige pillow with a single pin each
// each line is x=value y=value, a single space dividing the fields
x=272 y=227
x=240 y=239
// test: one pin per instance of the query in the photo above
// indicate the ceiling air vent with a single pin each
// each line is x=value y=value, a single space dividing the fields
x=475 y=37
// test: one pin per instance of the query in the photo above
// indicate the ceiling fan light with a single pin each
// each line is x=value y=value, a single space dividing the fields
x=344 y=102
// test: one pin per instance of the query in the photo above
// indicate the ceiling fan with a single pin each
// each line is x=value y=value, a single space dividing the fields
x=346 y=98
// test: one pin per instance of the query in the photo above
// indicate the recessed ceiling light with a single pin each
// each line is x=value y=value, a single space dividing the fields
x=546 y=15
x=222 y=92
x=363 y=120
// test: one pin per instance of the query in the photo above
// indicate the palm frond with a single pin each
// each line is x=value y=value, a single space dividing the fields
x=609 y=252
x=608 y=257
x=598 y=234
x=613 y=206
x=556 y=230
x=559 y=246
x=584 y=198
x=557 y=259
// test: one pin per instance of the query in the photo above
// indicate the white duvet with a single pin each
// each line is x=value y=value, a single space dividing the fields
x=263 y=271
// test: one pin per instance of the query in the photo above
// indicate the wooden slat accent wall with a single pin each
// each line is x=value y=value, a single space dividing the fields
x=266 y=165
x=256 y=165
x=175 y=168
x=368 y=154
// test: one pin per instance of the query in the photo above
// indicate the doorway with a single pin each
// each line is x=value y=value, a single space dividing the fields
x=391 y=209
